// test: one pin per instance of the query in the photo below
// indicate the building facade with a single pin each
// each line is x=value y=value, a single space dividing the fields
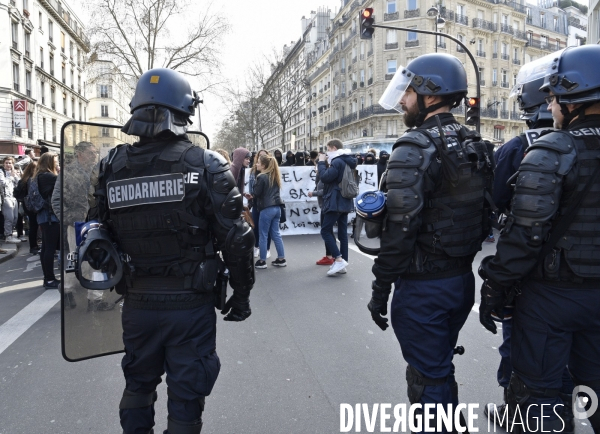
x=43 y=65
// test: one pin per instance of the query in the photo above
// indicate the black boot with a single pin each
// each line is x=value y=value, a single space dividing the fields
x=567 y=413
x=497 y=414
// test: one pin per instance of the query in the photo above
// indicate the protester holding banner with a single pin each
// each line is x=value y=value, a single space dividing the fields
x=335 y=206
x=254 y=172
x=268 y=200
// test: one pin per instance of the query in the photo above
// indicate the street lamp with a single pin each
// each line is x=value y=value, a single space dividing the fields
x=439 y=22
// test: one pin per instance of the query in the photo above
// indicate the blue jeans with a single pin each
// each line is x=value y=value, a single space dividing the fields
x=269 y=225
x=256 y=218
x=329 y=219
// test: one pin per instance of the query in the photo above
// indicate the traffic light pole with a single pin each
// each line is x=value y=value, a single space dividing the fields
x=445 y=35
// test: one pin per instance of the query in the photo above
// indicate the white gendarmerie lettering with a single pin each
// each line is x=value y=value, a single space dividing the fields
x=146 y=190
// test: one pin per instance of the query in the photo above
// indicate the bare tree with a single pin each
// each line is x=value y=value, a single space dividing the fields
x=282 y=97
x=230 y=136
x=138 y=35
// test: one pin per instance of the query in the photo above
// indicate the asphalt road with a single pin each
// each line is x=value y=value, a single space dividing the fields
x=309 y=346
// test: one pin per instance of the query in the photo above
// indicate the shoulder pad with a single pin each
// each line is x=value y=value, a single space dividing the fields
x=558 y=141
x=215 y=162
x=111 y=158
x=415 y=137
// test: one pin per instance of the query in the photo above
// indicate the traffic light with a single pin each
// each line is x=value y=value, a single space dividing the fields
x=473 y=114
x=366 y=23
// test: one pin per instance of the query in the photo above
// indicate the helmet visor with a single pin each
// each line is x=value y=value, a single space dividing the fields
x=390 y=100
x=367 y=235
x=532 y=71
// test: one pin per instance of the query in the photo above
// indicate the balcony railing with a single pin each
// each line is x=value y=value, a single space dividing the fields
x=489 y=112
x=516 y=61
x=505 y=57
x=412 y=14
x=410 y=44
x=354 y=59
x=354 y=86
x=542 y=45
x=373 y=110
x=30 y=134
x=504 y=114
x=348 y=119
x=369 y=53
x=520 y=34
x=389 y=76
x=460 y=49
x=480 y=23
x=515 y=115
x=391 y=17
x=504 y=84
x=16 y=86
x=461 y=19
x=480 y=53
x=494 y=55
x=505 y=28
x=441 y=44
x=362 y=84
x=391 y=46
x=15 y=45
x=370 y=81
x=482 y=82
x=494 y=82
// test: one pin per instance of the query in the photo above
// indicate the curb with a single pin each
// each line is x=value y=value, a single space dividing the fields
x=11 y=254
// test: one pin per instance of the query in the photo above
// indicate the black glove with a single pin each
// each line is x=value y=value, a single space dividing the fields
x=493 y=299
x=237 y=308
x=378 y=304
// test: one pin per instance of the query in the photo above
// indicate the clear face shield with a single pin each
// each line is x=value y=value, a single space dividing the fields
x=390 y=100
x=533 y=71
x=370 y=213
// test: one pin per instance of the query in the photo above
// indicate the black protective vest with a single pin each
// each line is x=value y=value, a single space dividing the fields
x=153 y=212
x=578 y=259
x=456 y=214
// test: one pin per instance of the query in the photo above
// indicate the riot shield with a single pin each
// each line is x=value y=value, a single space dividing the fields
x=90 y=318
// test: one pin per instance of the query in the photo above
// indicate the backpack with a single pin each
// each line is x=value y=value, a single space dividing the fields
x=20 y=191
x=34 y=201
x=349 y=183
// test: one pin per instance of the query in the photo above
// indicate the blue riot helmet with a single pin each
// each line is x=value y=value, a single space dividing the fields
x=533 y=105
x=163 y=102
x=435 y=74
x=98 y=262
x=370 y=217
x=573 y=78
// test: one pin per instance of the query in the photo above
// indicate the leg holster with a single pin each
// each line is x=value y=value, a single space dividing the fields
x=137 y=400
x=416 y=384
x=517 y=395
x=175 y=426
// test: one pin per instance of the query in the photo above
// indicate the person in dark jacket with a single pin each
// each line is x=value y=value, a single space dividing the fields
x=299 y=159
x=268 y=200
x=370 y=159
x=241 y=160
x=318 y=193
x=384 y=157
x=46 y=174
x=254 y=172
x=335 y=206
x=278 y=157
x=290 y=159
x=359 y=159
x=31 y=216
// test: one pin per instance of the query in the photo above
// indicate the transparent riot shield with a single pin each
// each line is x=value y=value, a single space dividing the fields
x=91 y=318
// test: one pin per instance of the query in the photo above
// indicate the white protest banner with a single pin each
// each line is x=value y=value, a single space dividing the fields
x=302 y=211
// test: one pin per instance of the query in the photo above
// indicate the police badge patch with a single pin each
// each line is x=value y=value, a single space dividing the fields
x=146 y=190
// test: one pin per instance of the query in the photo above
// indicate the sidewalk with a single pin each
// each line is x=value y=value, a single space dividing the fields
x=10 y=249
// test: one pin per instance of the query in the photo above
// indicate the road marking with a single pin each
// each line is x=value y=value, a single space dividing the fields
x=32 y=265
x=475 y=308
x=12 y=329
x=356 y=249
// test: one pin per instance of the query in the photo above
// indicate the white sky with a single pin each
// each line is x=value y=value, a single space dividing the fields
x=256 y=28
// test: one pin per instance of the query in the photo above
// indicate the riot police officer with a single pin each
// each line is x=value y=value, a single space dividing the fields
x=172 y=207
x=435 y=224
x=548 y=252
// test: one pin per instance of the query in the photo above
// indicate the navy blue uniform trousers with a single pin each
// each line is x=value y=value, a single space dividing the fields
x=427 y=316
x=554 y=327
x=178 y=342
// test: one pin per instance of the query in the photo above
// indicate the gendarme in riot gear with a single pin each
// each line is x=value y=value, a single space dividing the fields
x=174 y=210
x=437 y=217
x=548 y=249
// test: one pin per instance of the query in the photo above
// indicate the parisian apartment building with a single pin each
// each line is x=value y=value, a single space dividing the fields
x=344 y=76
x=41 y=67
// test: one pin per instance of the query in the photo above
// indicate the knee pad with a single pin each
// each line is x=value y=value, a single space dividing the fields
x=201 y=401
x=416 y=382
x=137 y=400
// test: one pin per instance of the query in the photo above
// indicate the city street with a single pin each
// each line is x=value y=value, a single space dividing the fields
x=309 y=346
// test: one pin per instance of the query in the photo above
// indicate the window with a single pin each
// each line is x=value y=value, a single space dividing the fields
x=28 y=83
x=16 y=76
x=53 y=97
x=41 y=58
x=514 y=79
x=71 y=49
x=54 y=130
x=65 y=103
x=480 y=14
x=498 y=133
x=105 y=132
x=558 y=44
x=480 y=45
x=64 y=73
x=62 y=42
x=30 y=125
x=505 y=19
x=44 y=128
x=515 y=53
x=72 y=80
x=362 y=75
x=27 y=44
x=15 y=35
x=391 y=128
x=495 y=47
x=50 y=30
x=43 y=92
x=391 y=36
x=40 y=21
x=544 y=41
x=391 y=6
x=73 y=108
x=51 y=62
x=460 y=10
x=495 y=17
x=412 y=36
x=504 y=48
x=504 y=76
x=494 y=75
x=411 y=5
x=542 y=20
x=391 y=66
x=104 y=111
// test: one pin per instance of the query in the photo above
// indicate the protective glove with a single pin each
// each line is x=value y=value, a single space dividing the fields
x=378 y=304
x=493 y=299
x=237 y=308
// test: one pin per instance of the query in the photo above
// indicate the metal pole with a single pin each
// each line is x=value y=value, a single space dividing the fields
x=445 y=35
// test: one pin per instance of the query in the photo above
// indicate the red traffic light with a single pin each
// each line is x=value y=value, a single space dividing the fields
x=472 y=102
x=367 y=13
x=366 y=23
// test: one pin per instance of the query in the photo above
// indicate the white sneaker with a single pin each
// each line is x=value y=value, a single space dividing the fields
x=342 y=271
x=256 y=252
x=268 y=254
x=336 y=267
x=23 y=238
x=12 y=240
